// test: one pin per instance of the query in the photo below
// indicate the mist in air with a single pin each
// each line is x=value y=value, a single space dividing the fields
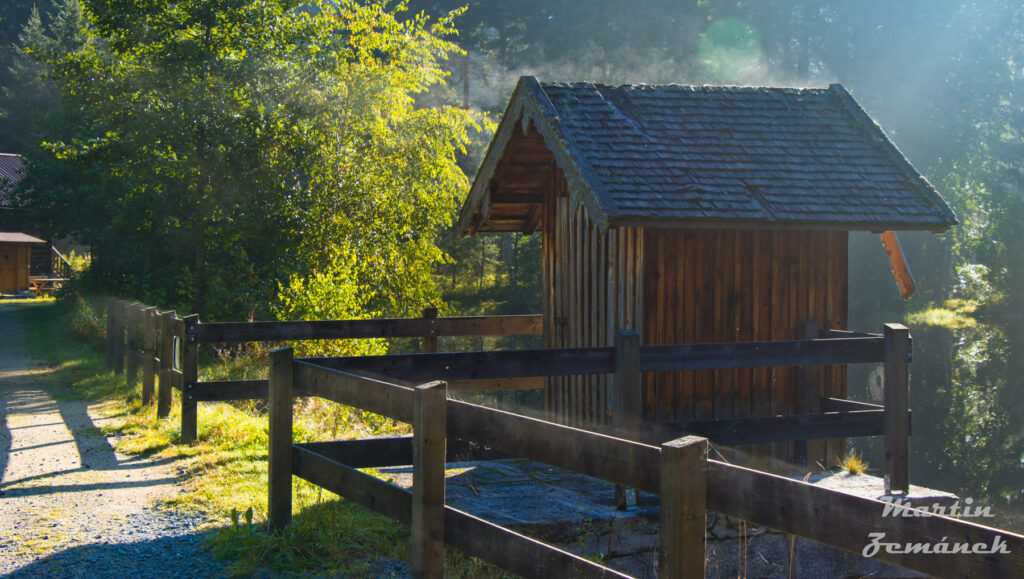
x=943 y=79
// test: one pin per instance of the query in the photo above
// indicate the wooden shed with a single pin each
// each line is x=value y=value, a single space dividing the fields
x=16 y=261
x=46 y=263
x=693 y=214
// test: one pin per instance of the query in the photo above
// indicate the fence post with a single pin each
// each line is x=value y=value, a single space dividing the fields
x=279 y=445
x=429 y=428
x=111 y=331
x=897 y=391
x=683 y=512
x=149 y=318
x=430 y=341
x=189 y=378
x=131 y=320
x=121 y=310
x=628 y=403
x=163 y=399
x=809 y=399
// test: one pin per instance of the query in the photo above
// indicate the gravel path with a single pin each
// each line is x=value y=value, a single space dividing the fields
x=70 y=505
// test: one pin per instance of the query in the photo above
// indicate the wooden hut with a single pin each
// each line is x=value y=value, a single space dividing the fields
x=693 y=214
x=16 y=261
x=45 y=261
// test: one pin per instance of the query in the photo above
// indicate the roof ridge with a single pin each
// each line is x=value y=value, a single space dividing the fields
x=713 y=87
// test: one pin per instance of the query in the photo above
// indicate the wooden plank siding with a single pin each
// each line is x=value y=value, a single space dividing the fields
x=15 y=261
x=685 y=286
x=592 y=287
x=706 y=285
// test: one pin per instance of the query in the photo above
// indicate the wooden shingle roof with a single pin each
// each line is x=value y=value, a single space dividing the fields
x=17 y=237
x=706 y=156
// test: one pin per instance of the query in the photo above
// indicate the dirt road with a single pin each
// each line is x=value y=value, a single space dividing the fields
x=70 y=505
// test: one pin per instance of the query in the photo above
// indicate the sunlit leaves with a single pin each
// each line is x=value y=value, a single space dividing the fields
x=255 y=141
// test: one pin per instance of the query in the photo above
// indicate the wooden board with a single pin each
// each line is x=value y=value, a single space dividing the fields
x=351 y=389
x=760 y=429
x=479 y=365
x=706 y=285
x=233 y=332
x=846 y=522
x=620 y=461
x=395 y=451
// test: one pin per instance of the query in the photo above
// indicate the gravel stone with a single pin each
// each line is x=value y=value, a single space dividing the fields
x=71 y=505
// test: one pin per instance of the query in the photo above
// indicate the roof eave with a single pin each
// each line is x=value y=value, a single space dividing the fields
x=530 y=104
x=585 y=186
x=495 y=150
x=923 y=186
x=648 y=222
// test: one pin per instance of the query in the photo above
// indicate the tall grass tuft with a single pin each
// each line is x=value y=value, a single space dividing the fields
x=853 y=463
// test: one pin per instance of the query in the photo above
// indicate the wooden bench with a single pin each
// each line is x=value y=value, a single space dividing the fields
x=41 y=286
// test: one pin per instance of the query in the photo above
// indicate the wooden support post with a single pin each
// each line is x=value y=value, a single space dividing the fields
x=121 y=309
x=430 y=342
x=189 y=378
x=163 y=399
x=897 y=392
x=428 y=468
x=149 y=353
x=279 y=445
x=683 y=512
x=111 y=332
x=809 y=452
x=628 y=401
x=131 y=323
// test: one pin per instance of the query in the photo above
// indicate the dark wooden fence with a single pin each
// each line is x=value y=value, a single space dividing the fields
x=626 y=452
x=687 y=482
x=167 y=347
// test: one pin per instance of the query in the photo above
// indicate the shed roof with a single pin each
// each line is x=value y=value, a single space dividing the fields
x=701 y=156
x=13 y=237
x=10 y=175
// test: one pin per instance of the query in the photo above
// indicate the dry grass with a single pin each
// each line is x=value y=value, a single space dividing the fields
x=853 y=463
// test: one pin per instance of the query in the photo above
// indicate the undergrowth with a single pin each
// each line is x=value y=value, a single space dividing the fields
x=225 y=472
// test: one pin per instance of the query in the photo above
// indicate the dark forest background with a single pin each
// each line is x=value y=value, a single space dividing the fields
x=944 y=78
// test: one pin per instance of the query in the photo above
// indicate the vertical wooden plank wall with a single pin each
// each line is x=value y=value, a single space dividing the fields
x=705 y=285
x=592 y=288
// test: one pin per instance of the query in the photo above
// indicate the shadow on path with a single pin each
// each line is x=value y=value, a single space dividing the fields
x=176 y=554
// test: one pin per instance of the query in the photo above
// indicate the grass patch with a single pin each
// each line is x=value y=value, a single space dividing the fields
x=853 y=463
x=225 y=472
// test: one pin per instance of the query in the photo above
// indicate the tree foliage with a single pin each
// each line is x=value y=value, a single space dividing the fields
x=259 y=149
x=208 y=151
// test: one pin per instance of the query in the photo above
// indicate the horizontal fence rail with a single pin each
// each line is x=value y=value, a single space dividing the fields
x=238 y=332
x=385 y=398
x=569 y=361
x=847 y=522
x=758 y=429
x=626 y=453
x=613 y=459
x=481 y=365
x=762 y=354
x=166 y=346
x=841 y=520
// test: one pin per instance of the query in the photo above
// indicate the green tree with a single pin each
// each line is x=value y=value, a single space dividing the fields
x=210 y=151
x=25 y=95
